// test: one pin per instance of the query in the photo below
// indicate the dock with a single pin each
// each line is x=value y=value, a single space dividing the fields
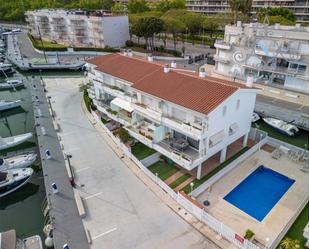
x=63 y=211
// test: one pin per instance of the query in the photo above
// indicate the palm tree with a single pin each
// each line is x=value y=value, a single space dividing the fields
x=235 y=7
x=289 y=243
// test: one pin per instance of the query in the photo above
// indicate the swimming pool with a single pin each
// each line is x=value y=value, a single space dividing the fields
x=259 y=192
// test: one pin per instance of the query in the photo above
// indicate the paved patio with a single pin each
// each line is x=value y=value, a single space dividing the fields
x=278 y=217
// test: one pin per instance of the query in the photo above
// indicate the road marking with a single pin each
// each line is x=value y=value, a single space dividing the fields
x=90 y=196
x=80 y=170
x=105 y=233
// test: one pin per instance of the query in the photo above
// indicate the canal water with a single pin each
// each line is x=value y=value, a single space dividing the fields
x=21 y=210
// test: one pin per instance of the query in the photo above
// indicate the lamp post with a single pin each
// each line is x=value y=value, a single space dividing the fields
x=191 y=186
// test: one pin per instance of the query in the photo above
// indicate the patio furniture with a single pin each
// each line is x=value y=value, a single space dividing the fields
x=276 y=154
x=180 y=144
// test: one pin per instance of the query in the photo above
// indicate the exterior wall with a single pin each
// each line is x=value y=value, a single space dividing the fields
x=170 y=118
x=275 y=55
x=75 y=29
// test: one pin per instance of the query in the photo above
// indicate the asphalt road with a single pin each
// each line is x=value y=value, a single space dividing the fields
x=122 y=213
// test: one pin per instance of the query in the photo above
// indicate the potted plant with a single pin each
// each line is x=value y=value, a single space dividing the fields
x=249 y=234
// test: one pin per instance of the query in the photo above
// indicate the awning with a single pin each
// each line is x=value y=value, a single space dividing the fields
x=123 y=104
x=218 y=137
x=234 y=127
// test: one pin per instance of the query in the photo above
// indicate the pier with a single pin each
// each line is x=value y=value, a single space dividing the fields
x=64 y=214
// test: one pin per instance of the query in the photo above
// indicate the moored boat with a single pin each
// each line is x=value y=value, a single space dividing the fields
x=19 y=161
x=255 y=117
x=13 y=179
x=11 y=84
x=282 y=126
x=9 y=240
x=9 y=142
x=6 y=104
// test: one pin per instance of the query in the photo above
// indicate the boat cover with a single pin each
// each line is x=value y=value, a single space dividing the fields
x=8 y=240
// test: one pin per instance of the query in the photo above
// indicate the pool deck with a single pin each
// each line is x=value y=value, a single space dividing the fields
x=276 y=220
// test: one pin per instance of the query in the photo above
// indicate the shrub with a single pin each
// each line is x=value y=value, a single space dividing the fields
x=123 y=135
x=104 y=121
x=87 y=100
x=129 y=43
x=249 y=234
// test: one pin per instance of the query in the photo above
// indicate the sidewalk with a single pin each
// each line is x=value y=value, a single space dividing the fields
x=201 y=227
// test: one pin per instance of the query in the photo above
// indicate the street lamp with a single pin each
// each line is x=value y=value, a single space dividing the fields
x=192 y=185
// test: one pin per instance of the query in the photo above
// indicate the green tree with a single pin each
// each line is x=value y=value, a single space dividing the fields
x=165 y=5
x=119 y=9
x=137 y=6
x=173 y=26
x=284 y=14
x=210 y=25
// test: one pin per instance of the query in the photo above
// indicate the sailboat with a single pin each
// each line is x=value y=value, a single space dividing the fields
x=9 y=84
x=19 y=161
x=9 y=142
x=13 y=179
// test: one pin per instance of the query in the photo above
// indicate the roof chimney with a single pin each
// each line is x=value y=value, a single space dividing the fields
x=173 y=64
x=166 y=68
x=150 y=58
x=202 y=73
x=130 y=53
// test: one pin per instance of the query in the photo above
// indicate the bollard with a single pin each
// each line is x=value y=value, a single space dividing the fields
x=54 y=188
x=47 y=154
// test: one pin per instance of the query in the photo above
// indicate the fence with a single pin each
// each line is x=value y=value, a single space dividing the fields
x=231 y=166
x=198 y=212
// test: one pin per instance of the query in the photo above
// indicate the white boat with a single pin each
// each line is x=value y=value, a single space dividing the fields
x=17 y=162
x=13 y=179
x=11 y=84
x=281 y=126
x=9 y=240
x=5 y=66
x=255 y=117
x=6 y=104
x=9 y=142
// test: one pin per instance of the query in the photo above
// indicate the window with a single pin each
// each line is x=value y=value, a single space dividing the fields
x=238 y=103
x=224 y=111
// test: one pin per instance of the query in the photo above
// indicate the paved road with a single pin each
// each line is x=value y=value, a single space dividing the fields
x=122 y=213
x=189 y=48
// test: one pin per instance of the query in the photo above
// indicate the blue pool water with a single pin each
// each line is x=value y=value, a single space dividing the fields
x=259 y=192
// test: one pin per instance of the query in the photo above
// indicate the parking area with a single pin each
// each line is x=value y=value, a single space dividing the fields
x=122 y=213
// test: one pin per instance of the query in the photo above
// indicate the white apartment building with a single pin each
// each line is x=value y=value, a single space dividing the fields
x=300 y=8
x=273 y=55
x=185 y=116
x=79 y=28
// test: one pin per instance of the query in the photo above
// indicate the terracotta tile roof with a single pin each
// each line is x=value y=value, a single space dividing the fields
x=188 y=90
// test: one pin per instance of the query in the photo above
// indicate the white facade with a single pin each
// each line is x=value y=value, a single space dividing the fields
x=157 y=122
x=79 y=28
x=300 y=8
x=275 y=55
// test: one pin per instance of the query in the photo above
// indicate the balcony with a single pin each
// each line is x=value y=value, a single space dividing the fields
x=220 y=59
x=222 y=44
x=138 y=132
x=193 y=130
x=113 y=90
x=285 y=53
x=147 y=112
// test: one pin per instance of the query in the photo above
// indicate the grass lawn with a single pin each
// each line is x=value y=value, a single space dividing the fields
x=300 y=140
x=296 y=230
x=179 y=181
x=197 y=182
x=163 y=169
x=141 y=151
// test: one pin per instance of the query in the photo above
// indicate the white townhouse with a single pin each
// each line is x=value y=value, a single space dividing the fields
x=187 y=117
x=274 y=55
x=79 y=28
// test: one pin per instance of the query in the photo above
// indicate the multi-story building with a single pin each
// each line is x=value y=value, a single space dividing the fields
x=299 y=7
x=79 y=28
x=273 y=55
x=187 y=117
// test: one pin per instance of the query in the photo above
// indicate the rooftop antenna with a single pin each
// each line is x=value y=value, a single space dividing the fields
x=266 y=20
